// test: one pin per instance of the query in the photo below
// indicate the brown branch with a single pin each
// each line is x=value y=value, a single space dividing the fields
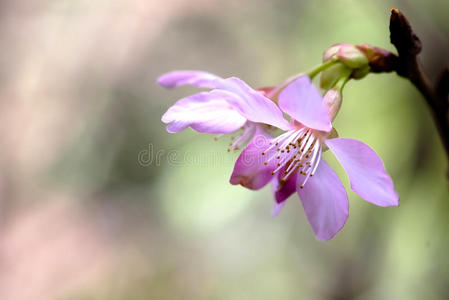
x=407 y=64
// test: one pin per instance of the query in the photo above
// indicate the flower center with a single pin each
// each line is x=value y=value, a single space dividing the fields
x=295 y=151
x=245 y=133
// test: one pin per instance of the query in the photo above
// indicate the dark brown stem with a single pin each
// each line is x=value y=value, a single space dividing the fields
x=407 y=64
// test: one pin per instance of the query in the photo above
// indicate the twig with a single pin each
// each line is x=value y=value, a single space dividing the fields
x=406 y=64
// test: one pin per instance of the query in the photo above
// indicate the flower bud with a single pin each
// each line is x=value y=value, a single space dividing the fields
x=332 y=75
x=331 y=53
x=354 y=63
x=346 y=53
x=332 y=99
x=352 y=57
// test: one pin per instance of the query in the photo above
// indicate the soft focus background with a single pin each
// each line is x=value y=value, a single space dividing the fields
x=98 y=201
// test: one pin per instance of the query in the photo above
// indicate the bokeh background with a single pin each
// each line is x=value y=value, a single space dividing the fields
x=98 y=201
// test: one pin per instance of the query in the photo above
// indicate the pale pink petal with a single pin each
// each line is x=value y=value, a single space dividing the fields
x=277 y=207
x=204 y=112
x=252 y=104
x=365 y=170
x=250 y=170
x=302 y=101
x=187 y=77
x=282 y=190
x=325 y=202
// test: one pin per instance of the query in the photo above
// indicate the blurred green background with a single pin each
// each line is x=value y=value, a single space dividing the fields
x=98 y=201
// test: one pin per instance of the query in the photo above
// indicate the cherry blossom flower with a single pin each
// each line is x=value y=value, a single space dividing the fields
x=292 y=161
x=230 y=106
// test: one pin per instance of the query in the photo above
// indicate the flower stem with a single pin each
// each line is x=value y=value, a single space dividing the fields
x=344 y=78
x=320 y=68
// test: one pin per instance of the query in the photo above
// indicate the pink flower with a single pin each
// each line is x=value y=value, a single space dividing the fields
x=230 y=105
x=292 y=161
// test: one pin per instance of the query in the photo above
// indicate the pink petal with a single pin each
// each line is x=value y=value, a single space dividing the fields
x=365 y=170
x=277 y=207
x=283 y=190
x=196 y=78
x=204 y=112
x=252 y=104
x=302 y=101
x=325 y=202
x=250 y=170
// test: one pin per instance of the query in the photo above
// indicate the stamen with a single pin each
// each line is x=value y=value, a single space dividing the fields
x=290 y=172
x=282 y=138
x=216 y=137
x=310 y=140
x=282 y=163
x=296 y=151
x=317 y=161
x=248 y=132
x=314 y=162
x=277 y=139
x=286 y=158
